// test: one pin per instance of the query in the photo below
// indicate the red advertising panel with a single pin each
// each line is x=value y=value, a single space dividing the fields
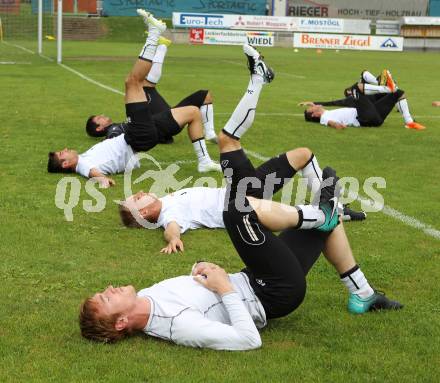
x=196 y=35
x=10 y=6
x=83 y=6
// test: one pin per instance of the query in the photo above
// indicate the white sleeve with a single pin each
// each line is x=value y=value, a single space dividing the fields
x=83 y=167
x=324 y=119
x=194 y=330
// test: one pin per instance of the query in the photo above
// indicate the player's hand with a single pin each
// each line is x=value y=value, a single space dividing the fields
x=174 y=246
x=105 y=182
x=215 y=279
x=202 y=265
x=306 y=103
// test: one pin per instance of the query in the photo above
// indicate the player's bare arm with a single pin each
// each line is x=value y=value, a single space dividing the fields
x=172 y=236
x=103 y=180
x=336 y=125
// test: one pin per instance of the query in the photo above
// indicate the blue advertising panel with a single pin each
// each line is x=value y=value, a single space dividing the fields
x=47 y=6
x=165 y=8
x=434 y=8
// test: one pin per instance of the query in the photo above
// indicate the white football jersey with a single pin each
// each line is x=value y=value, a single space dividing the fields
x=185 y=312
x=193 y=208
x=110 y=156
x=344 y=116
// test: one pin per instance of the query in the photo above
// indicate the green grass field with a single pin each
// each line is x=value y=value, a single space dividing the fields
x=48 y=265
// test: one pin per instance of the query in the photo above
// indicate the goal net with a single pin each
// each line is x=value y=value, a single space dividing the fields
x=19 y=21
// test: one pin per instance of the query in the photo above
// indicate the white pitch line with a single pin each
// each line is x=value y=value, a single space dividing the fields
x=397 y=215
x=276 y=114
x=15 y=63
x=84 y=77
x=177 y=162
x=19 y=47
x=47 y=58
x=410 y=221
x=387 y=210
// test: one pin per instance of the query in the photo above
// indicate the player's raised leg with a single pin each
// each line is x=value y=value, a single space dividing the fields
x=134 y=91
x=243 y=115
x=155 y=73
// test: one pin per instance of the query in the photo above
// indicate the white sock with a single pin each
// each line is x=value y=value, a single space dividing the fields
x=369 y=78
x=402 y=106
x=313 y=173
x=201 y=151
x=375 y=89
x=244 y=114
x=149 y=49
x=310 y=217
x=207 y=112
x=156 y=69
x=356 y=282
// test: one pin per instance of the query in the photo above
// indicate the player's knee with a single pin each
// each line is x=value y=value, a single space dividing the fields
x=194 y=112
x=208 y=98
x=299 y=157
x=132 y=80
x=225 y=141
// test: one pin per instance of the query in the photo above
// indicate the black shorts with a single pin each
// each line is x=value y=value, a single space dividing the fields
x=372 y=111
x=144 y=130
x=264 y=181
x=156 y=101
x=195 y=99
x=140 y=133
x=166 y=125
x=277 y=266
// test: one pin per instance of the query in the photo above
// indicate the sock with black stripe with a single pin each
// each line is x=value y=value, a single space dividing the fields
x=402 y=106
x=244 y=114
x=199 y=146
x=310 y=217
x=356 y=283
x=207 y=112
x=313 y=173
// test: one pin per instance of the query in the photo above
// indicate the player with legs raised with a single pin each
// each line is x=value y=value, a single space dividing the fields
x=221 y=311
x=181 y=210
x=142 y=133
x=367 y=103
x=99 y=125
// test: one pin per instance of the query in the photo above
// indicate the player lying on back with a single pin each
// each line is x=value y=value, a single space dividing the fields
x=143 y=130
x=182 y=210
x=368 y=103
x=103 y=126
x=213 y=309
